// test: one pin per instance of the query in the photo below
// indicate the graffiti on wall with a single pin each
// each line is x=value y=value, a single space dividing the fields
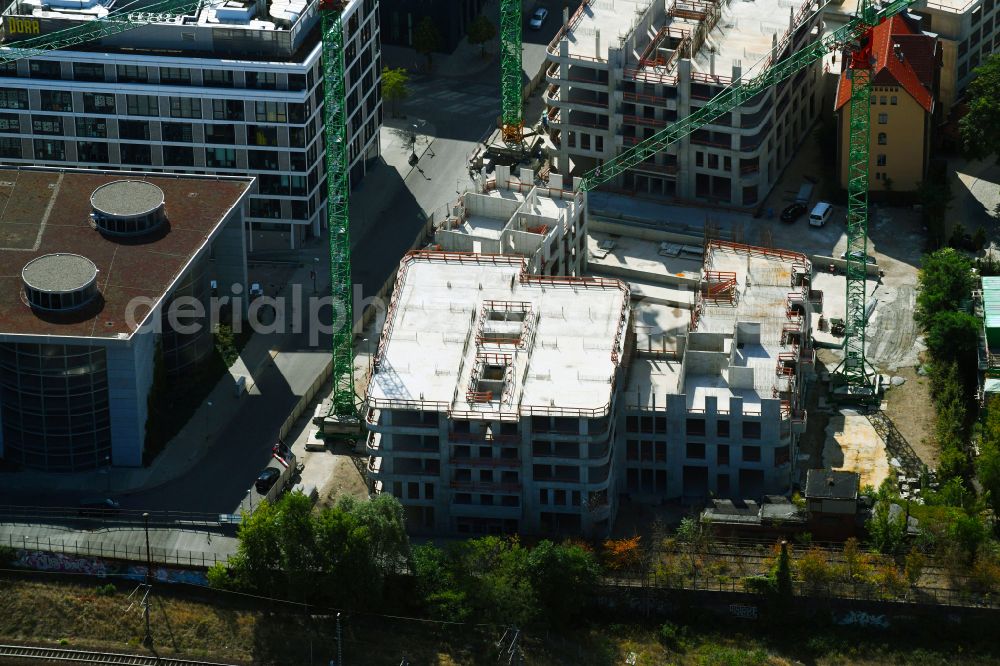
x=42 y=561
x=59 y=562
x=743 y=611
x=165 y=575
x=862 y=619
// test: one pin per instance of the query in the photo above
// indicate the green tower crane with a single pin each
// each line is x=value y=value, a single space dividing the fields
x=853 y=378
x=344 y=407
x=512 y=117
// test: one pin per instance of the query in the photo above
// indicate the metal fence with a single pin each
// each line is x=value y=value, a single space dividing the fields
x=124 y=552
x=62 y=514
x=923 y=595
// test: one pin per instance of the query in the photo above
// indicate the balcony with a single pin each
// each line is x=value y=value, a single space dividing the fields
x=373 y=443
x=374 y=467
x=641 y=120
x=486 y=487
x=511 y=463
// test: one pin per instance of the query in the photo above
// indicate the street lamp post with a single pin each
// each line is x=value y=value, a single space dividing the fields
x=107 y=470
x=148 y=640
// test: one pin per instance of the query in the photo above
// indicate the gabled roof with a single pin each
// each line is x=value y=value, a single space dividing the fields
x=911 y=68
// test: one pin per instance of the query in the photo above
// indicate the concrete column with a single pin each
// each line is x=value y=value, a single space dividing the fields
x=685 y=151
x=130 y=376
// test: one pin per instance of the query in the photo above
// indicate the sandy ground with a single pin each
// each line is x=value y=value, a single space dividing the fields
x=910 y=409
x=853 y=445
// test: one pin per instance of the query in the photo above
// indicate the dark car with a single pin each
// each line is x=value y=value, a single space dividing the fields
x=99 y=506
x=266 y=479
x=793 y=212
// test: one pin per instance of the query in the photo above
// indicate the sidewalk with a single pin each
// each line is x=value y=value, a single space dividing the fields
x=386 y=179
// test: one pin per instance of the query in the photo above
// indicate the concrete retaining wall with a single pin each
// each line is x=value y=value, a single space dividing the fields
x=822 y=263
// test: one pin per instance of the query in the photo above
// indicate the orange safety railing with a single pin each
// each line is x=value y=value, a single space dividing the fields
x=719 y=286
x=641 y=120
x=473 y=396
x=755 y=251
x=786 y=364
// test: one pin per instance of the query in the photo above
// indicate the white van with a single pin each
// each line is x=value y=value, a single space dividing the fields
x=820 y=214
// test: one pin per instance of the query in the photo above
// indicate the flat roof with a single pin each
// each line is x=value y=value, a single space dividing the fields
x=832 y=484
x=570 y=331
x=763 y=282
x=610 y=18
x=47 y=211
x=743 y=34
x=991 y=300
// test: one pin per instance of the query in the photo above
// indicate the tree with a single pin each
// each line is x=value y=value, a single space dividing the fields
x=783 y=573
x=427 y=38
x=395 y=87
x=980 y=127
x=988 y=462
x=953 y=337
x=935 y=196
x=343 y=553
x=944 y=281
x=481 y=31
x=886 y=531
x=814 y=570
x=622 y=554
x=563 y=577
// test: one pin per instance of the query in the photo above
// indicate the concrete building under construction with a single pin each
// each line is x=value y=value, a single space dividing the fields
x=720 y=413
x=504 y=402
x=545 y=224
x=491 y=408
x=621 y=70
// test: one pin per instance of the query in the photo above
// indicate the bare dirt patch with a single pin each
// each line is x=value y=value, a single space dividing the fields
x=910 y=407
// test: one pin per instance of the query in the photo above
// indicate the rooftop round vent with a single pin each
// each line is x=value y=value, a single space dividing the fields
x=127 y=208
x=59 y=282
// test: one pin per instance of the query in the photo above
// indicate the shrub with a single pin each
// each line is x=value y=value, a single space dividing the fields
x=672 y=636
x=108 y=590
x=814 y=570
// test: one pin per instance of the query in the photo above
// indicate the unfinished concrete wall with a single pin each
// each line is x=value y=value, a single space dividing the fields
x=492 y=207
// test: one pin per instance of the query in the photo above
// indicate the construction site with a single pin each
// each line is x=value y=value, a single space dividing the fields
x=729 y=343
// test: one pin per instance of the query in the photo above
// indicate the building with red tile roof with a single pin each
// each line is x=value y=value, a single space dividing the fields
x=905 y=76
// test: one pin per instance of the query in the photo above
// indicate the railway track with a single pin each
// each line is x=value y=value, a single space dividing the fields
x=66 y=656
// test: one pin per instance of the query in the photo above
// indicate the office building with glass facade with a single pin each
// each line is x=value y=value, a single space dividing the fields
x=234 y=88
x=92 y=262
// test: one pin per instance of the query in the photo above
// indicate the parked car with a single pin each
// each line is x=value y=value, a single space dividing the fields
x=821 y=214
x=793 y=212
x=266 y=479
x=538 y=18
x=99 y=506
x=857 y=255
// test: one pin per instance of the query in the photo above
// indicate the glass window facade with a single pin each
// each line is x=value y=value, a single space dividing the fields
x=56 y=414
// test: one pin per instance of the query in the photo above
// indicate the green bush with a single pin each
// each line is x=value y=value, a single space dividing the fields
x=672 y=636
x=108 y=590
x=7 y=555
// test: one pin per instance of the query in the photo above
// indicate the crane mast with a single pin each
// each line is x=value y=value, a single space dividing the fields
x=853 y=374
x=512 y=116
x=343 y=410
x=853 y=378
